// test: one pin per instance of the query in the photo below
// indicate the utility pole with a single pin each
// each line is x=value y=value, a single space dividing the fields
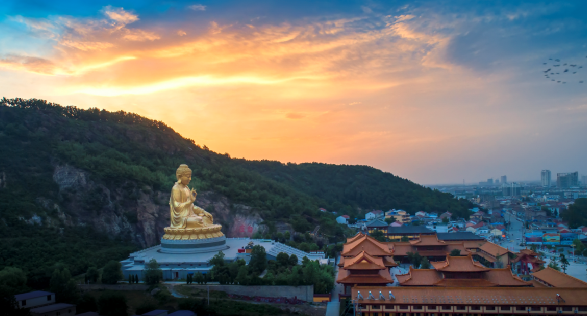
x=208 y=294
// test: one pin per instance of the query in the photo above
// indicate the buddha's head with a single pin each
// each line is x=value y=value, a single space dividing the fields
x=184 y=174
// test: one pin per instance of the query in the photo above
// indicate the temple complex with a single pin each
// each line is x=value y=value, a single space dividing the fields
x=427 y=246
x=460 y=271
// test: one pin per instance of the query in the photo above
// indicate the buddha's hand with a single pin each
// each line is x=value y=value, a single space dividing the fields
x=193 y=195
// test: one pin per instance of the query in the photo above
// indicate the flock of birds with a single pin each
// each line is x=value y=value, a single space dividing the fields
x=560 y=72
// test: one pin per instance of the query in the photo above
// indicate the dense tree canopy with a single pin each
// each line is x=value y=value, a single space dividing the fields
x=119 y=147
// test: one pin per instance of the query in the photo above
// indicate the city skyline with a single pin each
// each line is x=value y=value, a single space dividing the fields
x=430 y=91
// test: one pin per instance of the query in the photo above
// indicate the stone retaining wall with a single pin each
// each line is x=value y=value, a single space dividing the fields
x=302 y=292
x=116 y=287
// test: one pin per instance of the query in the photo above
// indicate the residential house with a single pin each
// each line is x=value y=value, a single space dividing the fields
x=399 y=215
x=373 y=215
x=35 y=299
x=343 y=219
x=376 y=225
x=396 y=224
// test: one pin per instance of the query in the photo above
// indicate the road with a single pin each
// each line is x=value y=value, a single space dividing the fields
x=333 y=307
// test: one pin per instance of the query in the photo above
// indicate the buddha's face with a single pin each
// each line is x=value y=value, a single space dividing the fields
x=185 y=178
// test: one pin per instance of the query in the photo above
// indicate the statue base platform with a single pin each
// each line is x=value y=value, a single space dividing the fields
x=193 y=240
x=193 y=245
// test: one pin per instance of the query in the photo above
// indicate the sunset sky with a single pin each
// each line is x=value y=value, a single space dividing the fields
x=433 y=91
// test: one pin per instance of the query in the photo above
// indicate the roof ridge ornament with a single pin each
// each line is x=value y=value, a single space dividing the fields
x=391 y=296
x=359 y=296
x=381 y=297
x=371 y=297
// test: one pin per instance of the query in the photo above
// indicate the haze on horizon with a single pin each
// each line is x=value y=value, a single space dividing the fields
x=432 y=91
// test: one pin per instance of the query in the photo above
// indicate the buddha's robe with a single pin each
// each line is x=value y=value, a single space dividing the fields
x=184 y=214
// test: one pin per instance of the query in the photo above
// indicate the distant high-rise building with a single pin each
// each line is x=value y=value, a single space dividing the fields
x=545 y=178
x=584 y=181
x=511 y=189
x=504 y=179
x=489 y=181
x=567 y=180
x=496 y=181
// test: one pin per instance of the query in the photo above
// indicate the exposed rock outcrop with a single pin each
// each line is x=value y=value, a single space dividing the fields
x=132 y=212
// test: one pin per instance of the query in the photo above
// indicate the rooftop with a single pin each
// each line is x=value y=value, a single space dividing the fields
x=494 y=249
x=558 y=279
x=376 y=223
x=31 y=295
x=365 y=243
x=51 y=308
x=364 y=261
x=458 y=236
x=427 y=240
x=459 y=264
x=409 y=230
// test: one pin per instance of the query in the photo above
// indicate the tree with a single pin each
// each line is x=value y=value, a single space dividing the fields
x=455 y=252
x=145 y=307
x=199 y=278
x=153 y=273
x=87 y=304
x=416 y=223
x=243 y=277
x=64 y=287
x=379 y=235
x=93 y=274
x=14 y=279
x=293 y=259
x=287 y=235
x=112 y=272
x=112 y=304
x=564 y=262
x=405 y=239
x=258 y=261
x=389 y=220
x=534 y=247
x=415 y=259
x=282 y=259
x=425 y=263
x=445 y=220
x=136 y=278
x=554 y=264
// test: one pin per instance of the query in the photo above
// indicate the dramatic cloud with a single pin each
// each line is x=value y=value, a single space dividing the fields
x=432 y=92
x=197 y=7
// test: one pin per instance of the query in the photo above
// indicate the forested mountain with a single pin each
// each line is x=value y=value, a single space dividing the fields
x=64 y=170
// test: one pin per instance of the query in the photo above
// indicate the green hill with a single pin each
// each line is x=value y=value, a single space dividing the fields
x=99 y=181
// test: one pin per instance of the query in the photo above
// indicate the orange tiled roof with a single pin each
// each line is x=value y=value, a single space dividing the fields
x=428 y=240
x=341 y=261
x=475 y=295
x=401 y=248
x=485 y=256
x=348 y=277
x=504 y=277
x=460 y=247
x=367 y=244
x=464 y=283
x=459 y=264
x=493 y=249
x=389 y=262
x=558 y=279
x=364 y=261
x=419 y=277
x=355 y=237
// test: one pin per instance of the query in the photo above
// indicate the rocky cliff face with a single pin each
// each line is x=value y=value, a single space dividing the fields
x=129 y=211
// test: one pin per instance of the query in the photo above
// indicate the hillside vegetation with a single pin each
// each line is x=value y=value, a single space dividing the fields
x=139 y=156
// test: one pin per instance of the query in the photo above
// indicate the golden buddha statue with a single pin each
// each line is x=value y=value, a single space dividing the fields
x=188 y=221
